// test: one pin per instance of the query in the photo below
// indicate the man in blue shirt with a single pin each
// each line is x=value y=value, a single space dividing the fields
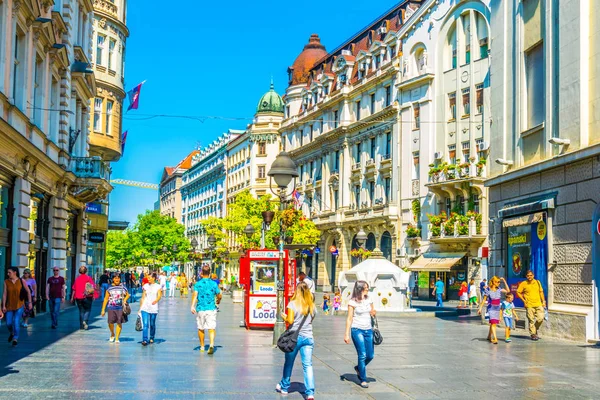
x=204 y=305
x=438 y=292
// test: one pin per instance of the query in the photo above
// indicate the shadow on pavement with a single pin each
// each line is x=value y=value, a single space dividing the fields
x=297 y=387
x=354 y=379
x=38 y=335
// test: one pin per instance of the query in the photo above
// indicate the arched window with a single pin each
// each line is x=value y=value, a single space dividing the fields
x=386 y=245
x=371 y=242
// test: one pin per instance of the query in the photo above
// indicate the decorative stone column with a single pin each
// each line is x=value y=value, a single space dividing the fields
x=20 y=234
x=58 y=228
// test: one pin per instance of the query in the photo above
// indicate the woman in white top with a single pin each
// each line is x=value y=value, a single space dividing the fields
x=300 y=306
x=359 y=327
x=151 y=295
x=172 y=284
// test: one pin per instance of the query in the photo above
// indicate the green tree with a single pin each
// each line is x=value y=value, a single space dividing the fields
x=247 y=209
x=152 y=231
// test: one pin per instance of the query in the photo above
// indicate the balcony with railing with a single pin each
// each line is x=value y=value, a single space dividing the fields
x=456 y=228
x=92 y=178
x=385 y=165
x=356 y=170
x=370 y=168
x=449 y=178
x=107 y=7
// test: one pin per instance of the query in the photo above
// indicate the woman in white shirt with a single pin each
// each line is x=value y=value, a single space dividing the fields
x=151 y=295
x=359 y=327
x=172 y=285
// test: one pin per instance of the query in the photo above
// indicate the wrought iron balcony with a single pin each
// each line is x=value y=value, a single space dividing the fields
x=92 y=178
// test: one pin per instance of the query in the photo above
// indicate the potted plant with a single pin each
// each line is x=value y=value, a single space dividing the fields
x=413 y=231
x=463 y=168
x=480 y=165
x=450 y=171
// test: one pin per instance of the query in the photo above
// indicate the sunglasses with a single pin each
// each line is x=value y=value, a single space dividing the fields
x=55 y=270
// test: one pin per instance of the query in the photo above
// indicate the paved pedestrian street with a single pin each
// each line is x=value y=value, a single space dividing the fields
x=421 y=358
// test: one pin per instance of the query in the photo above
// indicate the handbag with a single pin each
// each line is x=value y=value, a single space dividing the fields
x=288 y=339
x=23 y=293
x=377 y=336
x=138 y=324
x=126 y=309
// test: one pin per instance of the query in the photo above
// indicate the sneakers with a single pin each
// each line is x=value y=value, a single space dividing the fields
x=364 y=385
x=14 y=343
x=117 y=341
x=211 y=350
x=280 y=390
x=535 y=338
x=144 y=343
x=151 y=341
x=112 y=339
x=85 y=325
x=508 y=340
x=202 y=349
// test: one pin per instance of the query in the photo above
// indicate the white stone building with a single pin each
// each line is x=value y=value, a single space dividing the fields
x=203 y=190
x=545 y=146
x=342 y=129
x=249 y=159
x=443 y=95
x=46 y=172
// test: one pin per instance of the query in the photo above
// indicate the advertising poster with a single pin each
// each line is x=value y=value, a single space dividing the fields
x=262 y=310
x=263 y=276
x=527 y=250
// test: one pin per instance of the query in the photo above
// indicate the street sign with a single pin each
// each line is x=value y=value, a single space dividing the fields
x=96 y=237
x=93 y=208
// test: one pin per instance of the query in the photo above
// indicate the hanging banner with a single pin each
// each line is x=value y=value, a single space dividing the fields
x=527 y=250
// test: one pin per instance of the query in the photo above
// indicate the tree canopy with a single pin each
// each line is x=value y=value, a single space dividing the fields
x=247 y=209
x=152 y=231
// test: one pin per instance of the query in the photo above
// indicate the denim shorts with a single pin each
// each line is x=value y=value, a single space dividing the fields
x=508 y=321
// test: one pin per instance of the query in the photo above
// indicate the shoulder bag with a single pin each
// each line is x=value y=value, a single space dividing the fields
x=377 y=337
x=23 y=292
x=288 y=339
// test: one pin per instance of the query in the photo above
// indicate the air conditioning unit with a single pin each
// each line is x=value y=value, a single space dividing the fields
x=483 y=146
x=438 y=155
x=346 y=53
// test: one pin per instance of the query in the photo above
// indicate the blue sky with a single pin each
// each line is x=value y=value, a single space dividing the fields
x=212 y=59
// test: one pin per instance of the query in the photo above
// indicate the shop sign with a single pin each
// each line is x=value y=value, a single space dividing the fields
x=264 y=254
x=262 y=310
x=93 y=208
x=96 y=237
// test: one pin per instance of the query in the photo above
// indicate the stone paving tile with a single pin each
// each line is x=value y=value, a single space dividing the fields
x=421 y=358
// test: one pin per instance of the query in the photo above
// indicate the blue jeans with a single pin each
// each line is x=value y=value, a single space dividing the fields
x=133 y=292
x=104 y=288
x=54 y=310
x=13 y=322
x=363 y=342
x=148 y=322
x=305 y=347
x=440 y=301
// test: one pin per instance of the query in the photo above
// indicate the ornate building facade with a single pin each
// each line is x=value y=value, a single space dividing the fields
x=108 y=60
x=170 y=187
x=47 y=174
x=342 y=127
x=249 y=158
x=544 y=185
x=444 y=108
x=203 y=190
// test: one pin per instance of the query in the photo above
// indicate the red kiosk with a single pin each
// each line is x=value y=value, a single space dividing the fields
x=257 y=275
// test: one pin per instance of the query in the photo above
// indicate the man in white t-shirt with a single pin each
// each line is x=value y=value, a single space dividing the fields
x=172 y=285
x=163 y=283
x=302 y=277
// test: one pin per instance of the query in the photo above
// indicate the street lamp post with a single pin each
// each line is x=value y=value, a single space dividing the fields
x=174 y=248
x=283 y=171
x=194 y=244
x=212 y=241
x=361 y=239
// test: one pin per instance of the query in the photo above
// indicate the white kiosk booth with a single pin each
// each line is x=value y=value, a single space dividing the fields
x=388 y=284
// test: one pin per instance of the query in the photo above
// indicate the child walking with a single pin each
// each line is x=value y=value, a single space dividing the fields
x=472 y=293
x=326 y=299
x=508 y=312
x=463 y=295
x=337 y=302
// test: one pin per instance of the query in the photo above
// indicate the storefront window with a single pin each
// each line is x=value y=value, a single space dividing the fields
x=527 y=249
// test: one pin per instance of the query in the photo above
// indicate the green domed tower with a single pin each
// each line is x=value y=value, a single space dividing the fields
x=271 y=102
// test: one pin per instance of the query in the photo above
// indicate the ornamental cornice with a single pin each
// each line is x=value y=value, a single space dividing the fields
x=378 y=117
x=263 y=137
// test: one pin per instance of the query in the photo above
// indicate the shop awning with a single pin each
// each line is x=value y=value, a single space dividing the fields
x=531 y=207
x=436 y=261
